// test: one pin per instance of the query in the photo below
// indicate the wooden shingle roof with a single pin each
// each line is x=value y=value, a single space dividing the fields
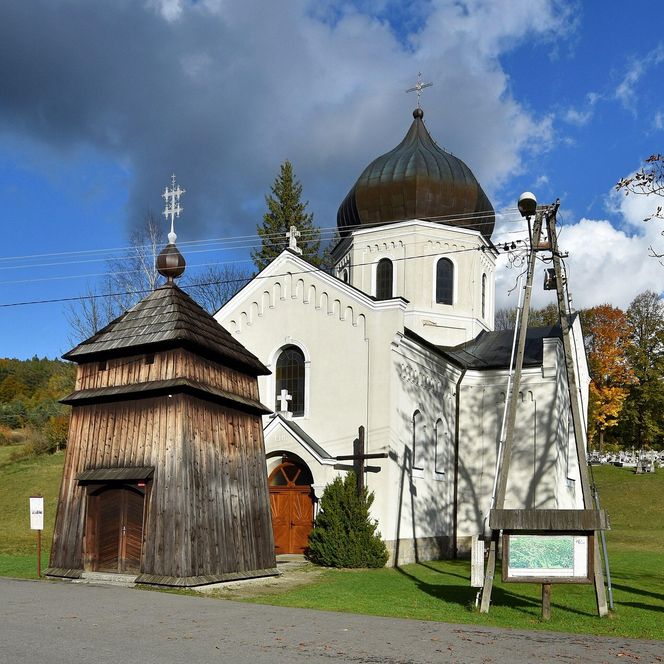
x=167 y=318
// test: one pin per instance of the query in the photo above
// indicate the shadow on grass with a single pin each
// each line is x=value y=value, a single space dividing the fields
x=464 y=595
x=638 y=591
x=433 y=568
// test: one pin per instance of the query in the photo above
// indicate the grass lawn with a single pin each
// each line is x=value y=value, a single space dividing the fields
x=441 y=590
x=18 y=481
x=434 y=590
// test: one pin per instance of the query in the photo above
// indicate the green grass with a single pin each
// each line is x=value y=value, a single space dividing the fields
x=18 y=481
x=6 y=451
x=428 y=591
x=441 y=590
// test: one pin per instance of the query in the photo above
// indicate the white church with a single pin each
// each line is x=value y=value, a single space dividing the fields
x=400 y=341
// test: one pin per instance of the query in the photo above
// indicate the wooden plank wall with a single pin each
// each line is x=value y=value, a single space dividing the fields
x=208 y=510
x=167 y=365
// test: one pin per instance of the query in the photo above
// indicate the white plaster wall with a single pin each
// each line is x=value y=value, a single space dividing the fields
x=346 y=340
x=420 y=480
x=543 y=472
x=414 y=248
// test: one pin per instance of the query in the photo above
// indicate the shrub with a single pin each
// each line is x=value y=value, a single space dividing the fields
x=344 y=535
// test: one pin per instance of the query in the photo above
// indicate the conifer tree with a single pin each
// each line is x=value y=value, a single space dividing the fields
x=344 y=534
x=285 y=209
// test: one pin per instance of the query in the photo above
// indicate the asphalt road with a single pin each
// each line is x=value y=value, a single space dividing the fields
x=62 y=623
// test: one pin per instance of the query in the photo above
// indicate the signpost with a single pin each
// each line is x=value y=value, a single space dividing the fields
x=37 y=523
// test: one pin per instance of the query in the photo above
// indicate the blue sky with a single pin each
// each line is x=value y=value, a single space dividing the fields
x=102 y=101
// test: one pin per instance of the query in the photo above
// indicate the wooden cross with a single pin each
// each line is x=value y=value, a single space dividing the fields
x=284 y=398
x=419 y=86
x=292 y=236
x=358 y=458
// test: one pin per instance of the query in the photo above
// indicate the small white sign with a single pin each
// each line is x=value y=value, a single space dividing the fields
x=36 y=513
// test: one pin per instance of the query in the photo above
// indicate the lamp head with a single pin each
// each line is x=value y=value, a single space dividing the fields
x=527 y=204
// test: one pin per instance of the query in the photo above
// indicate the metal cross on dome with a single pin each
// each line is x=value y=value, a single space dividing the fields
x=419 y=86
x=172 y=209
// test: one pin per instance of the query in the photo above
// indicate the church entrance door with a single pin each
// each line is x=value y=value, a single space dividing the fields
x=114 y=533
x=291 y=501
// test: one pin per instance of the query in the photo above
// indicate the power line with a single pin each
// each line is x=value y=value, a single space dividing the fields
x=95 y=296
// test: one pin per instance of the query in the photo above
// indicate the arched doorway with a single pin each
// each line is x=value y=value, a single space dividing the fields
x=292 y=504
x=114 y=529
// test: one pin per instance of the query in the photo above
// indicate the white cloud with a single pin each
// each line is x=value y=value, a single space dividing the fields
x=626 y=91
x=605 y=264
x=171 y=10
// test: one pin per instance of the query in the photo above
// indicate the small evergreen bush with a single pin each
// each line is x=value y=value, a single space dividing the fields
x=344 y=535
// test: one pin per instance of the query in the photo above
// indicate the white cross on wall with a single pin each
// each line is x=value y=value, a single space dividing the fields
x=284 y=398
x=292 y=236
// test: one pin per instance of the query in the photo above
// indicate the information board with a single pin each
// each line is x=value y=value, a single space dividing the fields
x=547 y=557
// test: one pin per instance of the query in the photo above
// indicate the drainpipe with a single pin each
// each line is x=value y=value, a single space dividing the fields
x=455 y=500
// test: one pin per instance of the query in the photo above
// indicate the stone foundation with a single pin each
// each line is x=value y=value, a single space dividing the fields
x=419 y=550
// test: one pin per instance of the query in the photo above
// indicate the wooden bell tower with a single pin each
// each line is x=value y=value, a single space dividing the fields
x=165 y=474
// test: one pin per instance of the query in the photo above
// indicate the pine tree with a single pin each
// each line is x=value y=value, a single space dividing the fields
x=344 y=534
x=285 y=209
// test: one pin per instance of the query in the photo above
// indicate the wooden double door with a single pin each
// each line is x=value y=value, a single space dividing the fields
x=114 y=533
x=292 y=505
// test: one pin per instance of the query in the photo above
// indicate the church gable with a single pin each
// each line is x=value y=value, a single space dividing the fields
x=291 y=279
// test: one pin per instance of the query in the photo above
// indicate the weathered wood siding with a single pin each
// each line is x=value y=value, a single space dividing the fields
x=207 y=509
x=167 y=365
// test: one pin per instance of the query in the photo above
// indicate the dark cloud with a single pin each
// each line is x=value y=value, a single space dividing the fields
x=222 y=92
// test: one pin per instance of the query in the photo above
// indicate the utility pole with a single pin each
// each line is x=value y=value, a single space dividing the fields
x=572 y=382
x=504 y=462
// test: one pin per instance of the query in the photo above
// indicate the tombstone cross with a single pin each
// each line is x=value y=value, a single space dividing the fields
x=284 y=398
x=292 y=236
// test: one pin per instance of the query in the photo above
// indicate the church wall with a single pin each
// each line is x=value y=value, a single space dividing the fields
x=415 y=499
x=343 y=341
x=543 y=465
x=414 y=248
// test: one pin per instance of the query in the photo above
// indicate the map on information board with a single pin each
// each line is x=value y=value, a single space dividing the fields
x=548 y=556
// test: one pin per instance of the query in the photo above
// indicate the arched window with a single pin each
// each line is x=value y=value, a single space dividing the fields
x=444 y=449
x=484 y=296
x=344 y=276
x=419 y=440
x=290 y=377
x=384 y=272
x=444 y=281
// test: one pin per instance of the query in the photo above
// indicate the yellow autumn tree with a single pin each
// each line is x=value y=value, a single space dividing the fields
x=607 y=339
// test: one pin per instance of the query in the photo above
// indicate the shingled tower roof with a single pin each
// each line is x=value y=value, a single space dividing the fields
x=167 y=318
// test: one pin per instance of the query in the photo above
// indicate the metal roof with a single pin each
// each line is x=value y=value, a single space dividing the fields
x=167 y=318
x=301 y=433
x=417 y=180
x=493 y=350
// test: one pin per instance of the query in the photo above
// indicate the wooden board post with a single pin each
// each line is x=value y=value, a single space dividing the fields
x=546 y=601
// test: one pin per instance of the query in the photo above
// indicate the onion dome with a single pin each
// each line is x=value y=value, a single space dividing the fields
x=170 y=262
x=417 y=180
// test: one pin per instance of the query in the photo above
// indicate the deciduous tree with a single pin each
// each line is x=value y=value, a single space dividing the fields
x=648 y=181
x=608 y=341
x=642 y=421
